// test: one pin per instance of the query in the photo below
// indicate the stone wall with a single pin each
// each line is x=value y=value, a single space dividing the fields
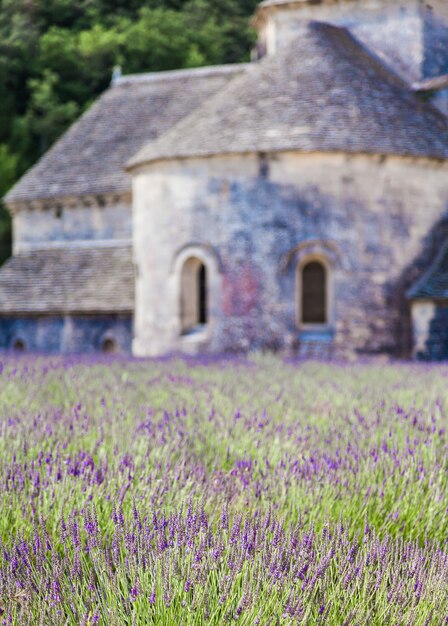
x=376 y=221
x=64 y=223
x=66 y=334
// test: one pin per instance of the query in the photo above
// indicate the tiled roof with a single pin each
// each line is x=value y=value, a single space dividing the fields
x=434 y=284
x=90 y=156
x=322 y=92
x=91 y=280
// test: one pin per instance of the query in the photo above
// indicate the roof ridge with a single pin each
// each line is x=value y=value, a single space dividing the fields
x=272 y=4
x=203 y=71
x=268 y=3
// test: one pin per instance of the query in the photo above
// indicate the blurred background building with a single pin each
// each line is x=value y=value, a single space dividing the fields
x=295 y=203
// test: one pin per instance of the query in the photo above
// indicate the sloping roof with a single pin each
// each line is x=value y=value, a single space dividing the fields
x=434 y=284
x=322 y=92
x=92 y=280
x=89 y=157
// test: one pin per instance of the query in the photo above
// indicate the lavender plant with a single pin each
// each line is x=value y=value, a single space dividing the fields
x=222 y=491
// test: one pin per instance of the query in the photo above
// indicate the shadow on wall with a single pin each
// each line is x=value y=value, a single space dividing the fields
x=435 y=44
x=437 y=343
x=397 y=299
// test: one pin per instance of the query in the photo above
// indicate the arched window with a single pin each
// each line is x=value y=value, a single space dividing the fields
x=19 y=345
x=314 y=293
x=109 y=345
x=194 y=295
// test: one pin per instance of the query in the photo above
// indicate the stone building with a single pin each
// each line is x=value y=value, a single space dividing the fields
x=297 y=203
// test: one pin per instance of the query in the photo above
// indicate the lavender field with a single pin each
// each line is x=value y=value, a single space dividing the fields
x=235 y=491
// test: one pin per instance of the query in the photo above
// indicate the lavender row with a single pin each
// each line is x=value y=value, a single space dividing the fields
x=185 y=568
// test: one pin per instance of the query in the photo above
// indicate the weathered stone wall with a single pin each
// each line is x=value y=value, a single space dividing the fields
x=66 y=334
x=375 y=220
x=68 y=223
x=406 y=34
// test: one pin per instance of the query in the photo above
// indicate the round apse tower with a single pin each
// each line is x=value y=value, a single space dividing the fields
x=287 y=212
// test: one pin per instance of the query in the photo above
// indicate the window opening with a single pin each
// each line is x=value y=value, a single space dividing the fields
x=314 y=293
x=109 y=346
x=194 y=295
x=19 y=345
x=202 y=290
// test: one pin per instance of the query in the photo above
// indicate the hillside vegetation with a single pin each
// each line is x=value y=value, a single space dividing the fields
x=56 y=56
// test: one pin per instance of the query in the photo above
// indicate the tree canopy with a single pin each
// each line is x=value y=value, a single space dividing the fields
x=57 y=56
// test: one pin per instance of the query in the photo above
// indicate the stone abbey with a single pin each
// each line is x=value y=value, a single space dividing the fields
x=297 y=203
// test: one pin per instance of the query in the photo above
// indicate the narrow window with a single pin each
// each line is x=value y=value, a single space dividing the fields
x=194 y=304
x=314 y=293
x=202 y=289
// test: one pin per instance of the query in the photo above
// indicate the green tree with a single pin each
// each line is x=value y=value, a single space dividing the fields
x=8 y=169
x=47 y=116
